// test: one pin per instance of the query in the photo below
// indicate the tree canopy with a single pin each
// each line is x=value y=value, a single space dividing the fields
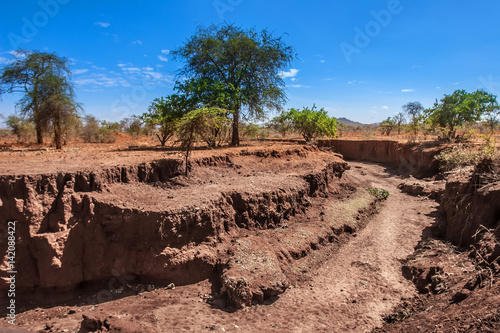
x=459 y=109
x=247 y=63
x=48 y=98
x=414 y=111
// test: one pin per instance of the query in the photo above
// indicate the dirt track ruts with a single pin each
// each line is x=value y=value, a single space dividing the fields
x=363 y=280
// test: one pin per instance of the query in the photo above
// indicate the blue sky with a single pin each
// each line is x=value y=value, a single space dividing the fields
x=358 y=59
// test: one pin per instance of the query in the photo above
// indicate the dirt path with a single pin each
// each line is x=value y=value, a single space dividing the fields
x=349 y=293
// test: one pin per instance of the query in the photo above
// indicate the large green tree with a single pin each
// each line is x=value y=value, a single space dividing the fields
x=248 y=63
x=459 y=109
x=36 y=75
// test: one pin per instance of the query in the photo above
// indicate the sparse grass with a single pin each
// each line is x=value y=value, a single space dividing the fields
x=463 y=154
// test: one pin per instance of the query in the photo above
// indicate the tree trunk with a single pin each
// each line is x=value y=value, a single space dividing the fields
x=56 y=122
x=57 y=136
x=235 y=141
x=39 y=132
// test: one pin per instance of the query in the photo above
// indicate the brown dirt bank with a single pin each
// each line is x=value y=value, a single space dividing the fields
x=150 y=223
x=417 y=161
x=330 y=288
x=458 y=277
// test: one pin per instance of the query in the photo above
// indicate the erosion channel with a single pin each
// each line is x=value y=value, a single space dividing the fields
x=285 y=239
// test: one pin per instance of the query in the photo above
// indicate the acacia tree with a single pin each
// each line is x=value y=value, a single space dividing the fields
x=492 y=116
x=32 y=73
x=414 y=111
x=246 y=62
x=387 y=125
x=399 y=119
x=57 y=105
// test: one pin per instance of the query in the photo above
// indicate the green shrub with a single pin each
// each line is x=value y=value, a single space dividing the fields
x=312 y=123
x=22 y=128
x=380 y=194
x=254 y=131
x=94 y=131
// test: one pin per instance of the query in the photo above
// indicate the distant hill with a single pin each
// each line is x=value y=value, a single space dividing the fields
x=348 y=122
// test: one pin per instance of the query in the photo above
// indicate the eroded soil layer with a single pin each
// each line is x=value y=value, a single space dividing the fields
x=150 y=222
x=457 y=273
x=415 y=160
x=342 y=276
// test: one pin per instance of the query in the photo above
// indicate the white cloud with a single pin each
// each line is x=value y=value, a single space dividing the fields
x=356 y=82
x=407 y=90
x=291 y=73
x=385 y=107
x=98 y=80
x=438 y=87
x=456 y=83
x=131 y=69
x=322 y=61
x=103 y=24
x=165 y=51
x=16 y=54
x=299 y=86
x=162 y=58
x=80 y=71
x=136 y=42
x=293 y=79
